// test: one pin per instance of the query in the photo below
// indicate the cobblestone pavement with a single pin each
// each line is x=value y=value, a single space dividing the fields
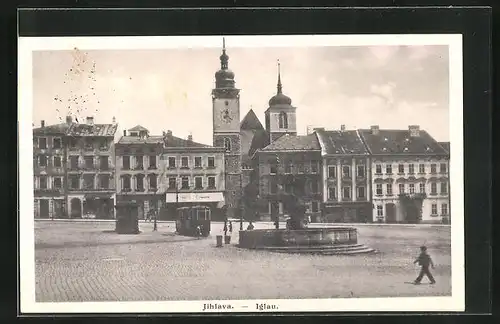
x=85 y=262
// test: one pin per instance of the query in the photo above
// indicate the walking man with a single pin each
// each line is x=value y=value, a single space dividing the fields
x=230 y=227
x=424 y=260
x=225 y=228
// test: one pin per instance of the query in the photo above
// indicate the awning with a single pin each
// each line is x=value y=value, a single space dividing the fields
x=194 y=197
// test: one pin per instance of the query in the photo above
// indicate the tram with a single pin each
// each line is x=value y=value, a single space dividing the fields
x=189 y=218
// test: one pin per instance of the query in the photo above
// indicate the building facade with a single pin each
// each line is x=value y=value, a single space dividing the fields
x=91 y=169
x=137 y=169
x=192 y=174
x=49 y=167
x=346 y=177
x=289 y=160
x=409 y=171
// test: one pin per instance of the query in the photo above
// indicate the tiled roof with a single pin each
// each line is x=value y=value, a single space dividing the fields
x=294 y=143
x=400 y=142
x=59 y=129
x=341 y=142
x=138 y=140
x=92 y=130
x=138 y=128
x=445 y=145
x=250 y=121
x=174 y=142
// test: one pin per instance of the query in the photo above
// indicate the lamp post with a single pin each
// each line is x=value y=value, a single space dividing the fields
x=241 y=201
x=277 y=216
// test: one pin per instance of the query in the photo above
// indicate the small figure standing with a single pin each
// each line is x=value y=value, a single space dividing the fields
x=230 y=227
x=424 y=260
x=250 y=226
x=199 y=231
x=225 y=228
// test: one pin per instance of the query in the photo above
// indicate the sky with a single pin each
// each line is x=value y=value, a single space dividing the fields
x=170 y=89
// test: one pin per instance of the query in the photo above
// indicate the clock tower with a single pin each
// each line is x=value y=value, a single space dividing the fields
x=226 y=130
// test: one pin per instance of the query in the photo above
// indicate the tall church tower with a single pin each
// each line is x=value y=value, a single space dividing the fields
x=281 y=115
x=226 y=130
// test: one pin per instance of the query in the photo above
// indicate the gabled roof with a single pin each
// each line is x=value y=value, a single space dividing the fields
x=251 y=141
x=289 y=142
x=77 y=129
x=341 y=142
x=251 y=121
x=138 y=140
x=138 y=128
x=390 y=141
x=445 y=145
x=57 y=129
x=175 y=142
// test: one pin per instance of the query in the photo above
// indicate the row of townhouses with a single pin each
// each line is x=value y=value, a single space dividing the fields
x=362 y=175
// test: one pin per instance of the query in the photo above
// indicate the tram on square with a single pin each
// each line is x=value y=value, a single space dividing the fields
x=190 y=218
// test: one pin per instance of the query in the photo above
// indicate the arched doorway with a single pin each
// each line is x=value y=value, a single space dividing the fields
x=76 y=208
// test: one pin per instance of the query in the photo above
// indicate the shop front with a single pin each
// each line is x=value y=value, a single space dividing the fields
x=146 y=203
x=98 y=206
x=347 y=212
x=174 y=200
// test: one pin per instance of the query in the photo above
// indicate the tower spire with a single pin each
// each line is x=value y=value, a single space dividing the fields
x=280 y=88
x=224 y=58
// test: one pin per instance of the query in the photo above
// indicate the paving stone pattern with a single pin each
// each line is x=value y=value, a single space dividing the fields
x=86 y=262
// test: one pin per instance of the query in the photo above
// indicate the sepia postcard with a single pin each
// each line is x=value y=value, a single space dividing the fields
x=241 y=174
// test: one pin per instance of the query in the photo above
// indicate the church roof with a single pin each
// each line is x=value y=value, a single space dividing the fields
x=251 y=121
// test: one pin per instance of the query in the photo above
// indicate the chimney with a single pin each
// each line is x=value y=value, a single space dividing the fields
x=90 y=120
x=169 y=133
x=342 y=127
x=190 y=137
x=69 y=120
x=42 y=123
x=124 y=132
x=374 y=129
x=114 y=120
x=414 y=130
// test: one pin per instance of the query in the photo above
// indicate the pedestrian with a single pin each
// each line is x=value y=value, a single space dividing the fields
x=424 y=260
x=230 y=227
x=225 y=228
x=250 y=226
x=198 y=231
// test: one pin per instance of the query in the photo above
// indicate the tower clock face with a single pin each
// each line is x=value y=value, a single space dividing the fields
x=226 y=115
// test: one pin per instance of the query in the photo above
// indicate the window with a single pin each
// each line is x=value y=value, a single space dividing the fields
x=273 y=168
x=314 y=166
x=361 y=171
x=126 y=183
x=171 y=162
x=104 y=181
x=444 y=188
x=89 y=162
x=139 y=182
x=211 y=182
x=346 y=171
x=57 y=183
x=422 y=187
x=42 y=143
x=433 y=168
x=211 y=162
x=388 y=188
x=346 y=192
x=412 y=188
x=172 y=183
x=444 y=209
x=315 y=207
x=434 y=209
x=401 y=188
x=198 y=183
x=197 y=162
x=288 y=167
x=42 y=160
x=227 y=144
x=139 y=162
x=361 y=192
x=103 y=145
x=89 y=145
x=126 y=162
x=56 y=143
x=421 y=168
x=332 y=171
x=442 y=168
x=300 y=167
x=88 y=181
x=433 y=188
x=388 y=168
x=411 y=168
x=73 y=143
x=153 y=181
x=332 y=193
x=401 y=168
x=152 y=161
x=184 y=162
x=380 y=211
x=74 y=181
x=184 y=183
x=43 y=182
x=283 y=120
x=314 y=186
x=57 y=161
x=378 y=169
x=379 y=189
x=103 y=163
x=273 y=187
x=73 y=162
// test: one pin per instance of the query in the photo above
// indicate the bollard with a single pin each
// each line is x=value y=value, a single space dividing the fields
x=219 y=240
x=227 y=239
